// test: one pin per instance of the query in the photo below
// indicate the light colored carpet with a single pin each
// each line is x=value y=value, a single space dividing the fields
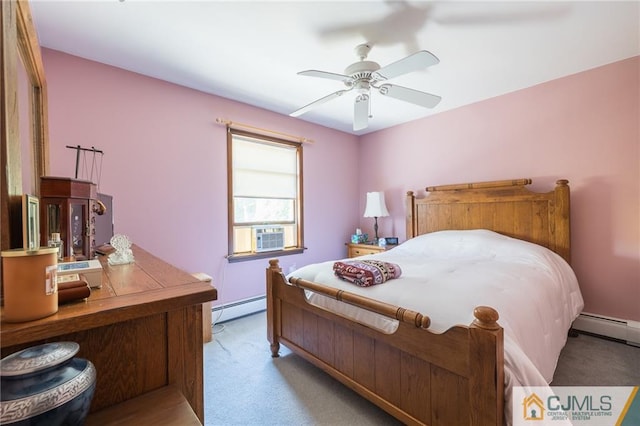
x=245 y=386
x=588 y=360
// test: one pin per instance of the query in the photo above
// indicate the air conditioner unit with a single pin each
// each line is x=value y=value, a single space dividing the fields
x=268 y=238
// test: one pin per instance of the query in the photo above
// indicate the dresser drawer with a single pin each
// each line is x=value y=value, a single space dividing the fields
x=355 y=250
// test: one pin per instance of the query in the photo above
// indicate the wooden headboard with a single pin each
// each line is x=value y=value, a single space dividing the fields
x=503 y=206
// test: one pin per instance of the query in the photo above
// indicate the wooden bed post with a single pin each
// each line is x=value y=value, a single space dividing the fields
x=411 y=228
x=486 y=360
x=562 y=220
x=273 y=316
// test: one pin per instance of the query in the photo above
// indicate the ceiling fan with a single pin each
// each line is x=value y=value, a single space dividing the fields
x=364 y=75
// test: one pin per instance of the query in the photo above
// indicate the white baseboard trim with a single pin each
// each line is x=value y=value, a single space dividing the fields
x=616 y=328
x=238 y=309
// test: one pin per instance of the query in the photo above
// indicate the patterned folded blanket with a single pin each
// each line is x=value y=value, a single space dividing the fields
x=366 y=273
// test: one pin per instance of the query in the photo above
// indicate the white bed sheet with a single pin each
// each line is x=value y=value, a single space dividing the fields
x=446 y=274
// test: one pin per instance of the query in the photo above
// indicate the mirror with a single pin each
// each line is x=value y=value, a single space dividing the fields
x=24 y=129
x=22 y=60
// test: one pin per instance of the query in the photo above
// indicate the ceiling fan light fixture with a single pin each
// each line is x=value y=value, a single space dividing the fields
x=363 y=86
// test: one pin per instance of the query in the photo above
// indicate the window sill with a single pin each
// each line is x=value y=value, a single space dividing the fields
x=232 y=258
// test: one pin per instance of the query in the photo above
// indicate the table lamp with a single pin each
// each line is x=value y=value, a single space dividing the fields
x=375 y=208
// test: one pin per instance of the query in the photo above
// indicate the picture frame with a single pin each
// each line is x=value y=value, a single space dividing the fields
x=30 y=222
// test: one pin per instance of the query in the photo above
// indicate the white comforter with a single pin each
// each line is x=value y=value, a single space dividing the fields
x=446 y=274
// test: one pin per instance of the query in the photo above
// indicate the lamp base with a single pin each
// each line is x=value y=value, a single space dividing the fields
x=375 y=229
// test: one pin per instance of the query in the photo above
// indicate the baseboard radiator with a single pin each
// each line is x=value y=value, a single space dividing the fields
x=238 y=309
x=625 y=330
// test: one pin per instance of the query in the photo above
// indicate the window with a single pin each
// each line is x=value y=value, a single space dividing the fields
x=265 y=196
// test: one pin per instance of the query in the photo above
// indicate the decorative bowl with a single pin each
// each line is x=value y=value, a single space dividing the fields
x=46 y=385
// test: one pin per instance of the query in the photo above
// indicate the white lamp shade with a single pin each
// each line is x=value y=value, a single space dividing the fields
x=376 y=206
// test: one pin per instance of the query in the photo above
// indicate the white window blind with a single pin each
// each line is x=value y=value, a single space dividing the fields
x=264 y=170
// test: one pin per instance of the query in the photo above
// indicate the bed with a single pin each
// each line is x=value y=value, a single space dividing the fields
x=428 y=367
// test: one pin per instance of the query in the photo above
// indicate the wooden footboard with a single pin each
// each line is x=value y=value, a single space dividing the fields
x=419 y=377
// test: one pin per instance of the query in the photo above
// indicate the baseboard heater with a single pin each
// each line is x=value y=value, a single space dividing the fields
x=238 y=309
x=625 y=330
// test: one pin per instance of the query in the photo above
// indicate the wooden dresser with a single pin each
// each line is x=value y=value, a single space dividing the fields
x=143 y=332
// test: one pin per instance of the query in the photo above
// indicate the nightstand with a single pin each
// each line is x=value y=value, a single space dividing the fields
x=355 y=250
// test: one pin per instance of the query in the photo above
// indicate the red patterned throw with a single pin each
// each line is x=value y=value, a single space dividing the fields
x=366 y=273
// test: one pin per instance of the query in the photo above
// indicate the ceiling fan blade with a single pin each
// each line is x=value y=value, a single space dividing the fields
x=328 y=75
x=318 y=102
x=413 y=62
x=361 y=112
x=417 y=97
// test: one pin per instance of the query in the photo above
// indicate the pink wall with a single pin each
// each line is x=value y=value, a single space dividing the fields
x=585 y=128
x=165 y=165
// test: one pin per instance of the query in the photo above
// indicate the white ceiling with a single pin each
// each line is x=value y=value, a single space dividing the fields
x=250 y=51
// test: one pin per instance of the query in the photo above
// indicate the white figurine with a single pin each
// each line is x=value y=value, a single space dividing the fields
x=123 y=253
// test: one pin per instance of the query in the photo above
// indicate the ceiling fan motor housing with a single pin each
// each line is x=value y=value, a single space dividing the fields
x=362 y=69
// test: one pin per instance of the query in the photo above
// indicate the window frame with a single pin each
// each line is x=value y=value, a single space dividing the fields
x=299 y=204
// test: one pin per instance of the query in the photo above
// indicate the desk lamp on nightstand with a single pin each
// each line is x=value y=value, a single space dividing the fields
x=375 y=208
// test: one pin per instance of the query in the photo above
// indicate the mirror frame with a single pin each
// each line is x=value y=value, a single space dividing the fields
x=18 y=37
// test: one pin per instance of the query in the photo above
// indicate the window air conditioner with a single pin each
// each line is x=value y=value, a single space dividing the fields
x=268 y=238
